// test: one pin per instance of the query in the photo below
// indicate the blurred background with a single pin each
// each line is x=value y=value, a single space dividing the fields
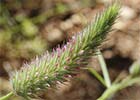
x=30 y=27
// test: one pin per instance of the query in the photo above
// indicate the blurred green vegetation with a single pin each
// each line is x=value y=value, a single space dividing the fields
x=19 y=31
x=19 y=35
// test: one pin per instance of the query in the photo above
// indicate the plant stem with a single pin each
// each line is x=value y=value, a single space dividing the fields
x=114 y=88
x=129 y=81
x=104 y=69
x=6 y=97
x=110 y=91
x=97 y=75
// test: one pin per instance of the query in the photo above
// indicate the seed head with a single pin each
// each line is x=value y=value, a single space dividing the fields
x=52 y=68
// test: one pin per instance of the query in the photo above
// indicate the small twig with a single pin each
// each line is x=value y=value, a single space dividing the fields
x=104 y=69
x=129 y=81
x=97 y=75
x=6 y=97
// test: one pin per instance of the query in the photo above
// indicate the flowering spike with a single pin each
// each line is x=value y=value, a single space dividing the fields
x=43 y=73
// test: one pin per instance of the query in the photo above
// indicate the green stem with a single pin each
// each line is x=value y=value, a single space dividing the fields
x=97 y=75
x=114 y=88
x=110 y=91
x=104 y=70
x=129 y=81
x=6 y=97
